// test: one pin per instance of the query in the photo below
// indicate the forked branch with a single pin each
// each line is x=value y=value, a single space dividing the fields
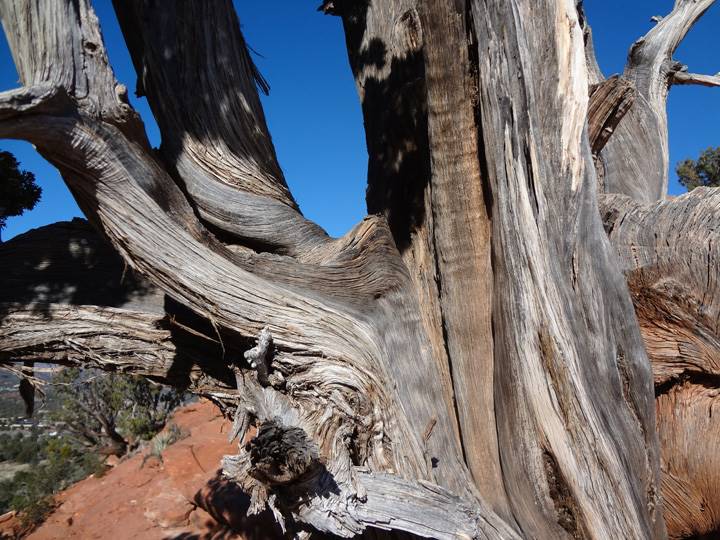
x=638 y=149
x=195 y=69
x=650 y=63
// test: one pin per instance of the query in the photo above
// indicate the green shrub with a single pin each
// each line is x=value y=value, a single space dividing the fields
x=31 y=492
x=22 y=448
x=101 y=409
x=93 y=410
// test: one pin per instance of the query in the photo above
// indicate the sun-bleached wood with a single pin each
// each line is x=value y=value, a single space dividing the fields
x=682 y=77
x=345 y=354
x=466 y=361
x=636 y=158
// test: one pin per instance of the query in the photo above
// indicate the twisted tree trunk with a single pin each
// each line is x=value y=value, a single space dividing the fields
x=467 y=361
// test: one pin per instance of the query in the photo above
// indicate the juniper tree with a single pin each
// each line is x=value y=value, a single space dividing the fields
x=18 y=190
x=483 y=355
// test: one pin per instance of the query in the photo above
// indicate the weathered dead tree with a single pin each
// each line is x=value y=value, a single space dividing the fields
x=468 y=361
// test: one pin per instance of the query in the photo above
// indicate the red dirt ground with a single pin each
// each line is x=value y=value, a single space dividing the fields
x=161 y=500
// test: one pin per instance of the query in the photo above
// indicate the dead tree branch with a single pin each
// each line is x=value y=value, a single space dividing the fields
x=639 y=147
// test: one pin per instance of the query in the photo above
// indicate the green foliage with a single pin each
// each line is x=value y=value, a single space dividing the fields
x=31 y=492
x=11 y=405
x=96 y=413
x=112 y=409
x=151 y=407
x=703 y=172
x=22 y=448
x=18 y=190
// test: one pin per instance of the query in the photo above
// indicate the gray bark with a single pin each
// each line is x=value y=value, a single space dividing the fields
x=636 y=158
x=466 y=362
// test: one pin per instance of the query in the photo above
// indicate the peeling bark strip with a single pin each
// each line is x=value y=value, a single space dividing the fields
x=460 y=211
x=466 y=363
x=609 y=102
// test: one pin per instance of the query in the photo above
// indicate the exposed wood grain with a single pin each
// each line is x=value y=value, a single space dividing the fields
x=569 y=368
x=689 y=427
x=460 y=211
x=339 y=353
x=483 y=300
x=111 y=339
x=610 y=100
x=669 y=252
x=682 y=77
x=636 y=158
x=214 y=135
x=385 y=43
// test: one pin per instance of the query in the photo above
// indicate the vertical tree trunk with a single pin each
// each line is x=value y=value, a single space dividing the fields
x=487 y=113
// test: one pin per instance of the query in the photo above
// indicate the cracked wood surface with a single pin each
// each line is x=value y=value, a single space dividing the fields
x=561 y=308
x=636 y=158
x=483 y=299
x=669 y=253
x=350 y=337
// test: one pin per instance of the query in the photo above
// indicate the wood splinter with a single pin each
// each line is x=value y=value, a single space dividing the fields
x=257 y=357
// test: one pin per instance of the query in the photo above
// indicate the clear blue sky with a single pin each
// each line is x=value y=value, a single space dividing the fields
x=314 y=113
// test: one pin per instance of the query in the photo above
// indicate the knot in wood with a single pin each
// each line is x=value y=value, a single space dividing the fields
x=281 y=454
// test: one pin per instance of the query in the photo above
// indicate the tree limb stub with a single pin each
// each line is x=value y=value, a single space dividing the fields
x=258 y=356
x=683 y=77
